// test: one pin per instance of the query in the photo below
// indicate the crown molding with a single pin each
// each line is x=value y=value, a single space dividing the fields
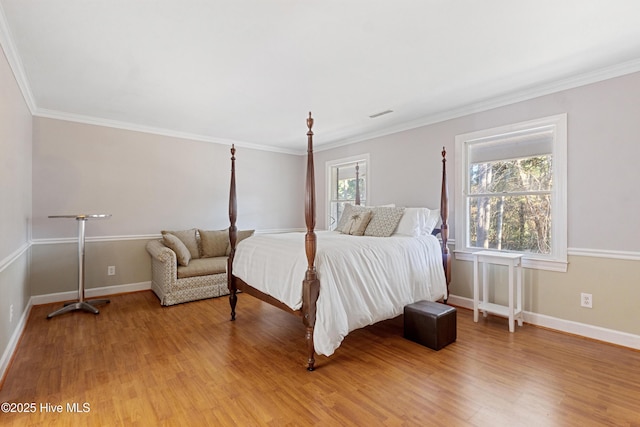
x=96 y=121
x=15 y=63
x=572 y=82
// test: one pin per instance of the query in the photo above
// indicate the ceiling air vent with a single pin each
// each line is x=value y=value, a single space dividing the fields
x=381 y=113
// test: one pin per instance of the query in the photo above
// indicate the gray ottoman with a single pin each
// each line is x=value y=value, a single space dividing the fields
x=430 y=323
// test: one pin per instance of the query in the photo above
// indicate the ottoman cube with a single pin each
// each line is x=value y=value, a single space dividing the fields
x=430 y=323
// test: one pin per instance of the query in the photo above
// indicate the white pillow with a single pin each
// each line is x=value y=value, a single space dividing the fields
x=431 y=220
x=418 y=222
x=412 y=222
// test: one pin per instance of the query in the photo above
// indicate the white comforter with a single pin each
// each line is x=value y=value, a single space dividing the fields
x=363 y=280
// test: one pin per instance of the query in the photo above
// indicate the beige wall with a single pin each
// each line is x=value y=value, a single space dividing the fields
x=148 y=183
x=54 y=267
x=15 y=204
x=612 y=282
x=603 y=202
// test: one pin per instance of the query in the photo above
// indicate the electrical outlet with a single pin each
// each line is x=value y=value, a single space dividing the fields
x=11 y=313
x=111 y=270
x=586 y=300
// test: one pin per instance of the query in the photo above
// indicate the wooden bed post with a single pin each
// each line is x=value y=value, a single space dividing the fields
x=233 y=234
x=357 y=184
x=444 y=215
x=310 y=284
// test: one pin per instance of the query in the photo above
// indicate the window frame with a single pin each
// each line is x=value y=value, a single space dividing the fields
x=557 y=259
x=329 y=165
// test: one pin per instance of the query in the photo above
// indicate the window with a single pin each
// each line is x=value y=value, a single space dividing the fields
x=341 y=183
x=512 y=195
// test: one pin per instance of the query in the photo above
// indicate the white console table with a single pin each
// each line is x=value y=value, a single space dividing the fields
x=514 y=263
x=81 y=304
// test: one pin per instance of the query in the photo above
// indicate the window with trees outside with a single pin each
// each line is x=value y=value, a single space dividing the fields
x=341 y=183
x=513 y=193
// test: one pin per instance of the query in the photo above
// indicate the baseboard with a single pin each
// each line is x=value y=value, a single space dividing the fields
x=90 y=293
x=568 y=326
x=13 y=342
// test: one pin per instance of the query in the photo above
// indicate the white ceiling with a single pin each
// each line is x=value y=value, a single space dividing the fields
x=248 y=71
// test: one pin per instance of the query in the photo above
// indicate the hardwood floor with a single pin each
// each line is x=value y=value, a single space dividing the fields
x=139 y=364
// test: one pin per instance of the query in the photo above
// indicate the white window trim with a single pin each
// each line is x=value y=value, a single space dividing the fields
x=338 y=162
x=557 y=260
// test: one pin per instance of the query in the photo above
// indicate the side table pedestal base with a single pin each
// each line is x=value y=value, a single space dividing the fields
x=82 y=305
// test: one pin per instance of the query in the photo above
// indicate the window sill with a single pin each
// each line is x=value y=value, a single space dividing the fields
x=527 y=262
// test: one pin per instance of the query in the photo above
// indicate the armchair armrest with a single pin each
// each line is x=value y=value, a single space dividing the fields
x=164 y=265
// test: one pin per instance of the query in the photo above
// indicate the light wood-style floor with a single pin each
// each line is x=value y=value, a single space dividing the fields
x=140 y=364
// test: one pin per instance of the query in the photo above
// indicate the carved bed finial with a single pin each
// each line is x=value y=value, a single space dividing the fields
x=310 y=123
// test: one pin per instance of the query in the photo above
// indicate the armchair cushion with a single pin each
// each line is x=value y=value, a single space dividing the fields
x=176 y=245
x=203 y=267
x=188 y=237
x=214 y=242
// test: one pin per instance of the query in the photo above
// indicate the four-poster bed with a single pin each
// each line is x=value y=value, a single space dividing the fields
x=423 y=270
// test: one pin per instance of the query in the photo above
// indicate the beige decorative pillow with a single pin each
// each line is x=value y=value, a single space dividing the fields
x=214 y=242
x=357 y=223
x=188 y=237
x=384 y=221
x=176 y=245
x=348 y=211
x=242 y=234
